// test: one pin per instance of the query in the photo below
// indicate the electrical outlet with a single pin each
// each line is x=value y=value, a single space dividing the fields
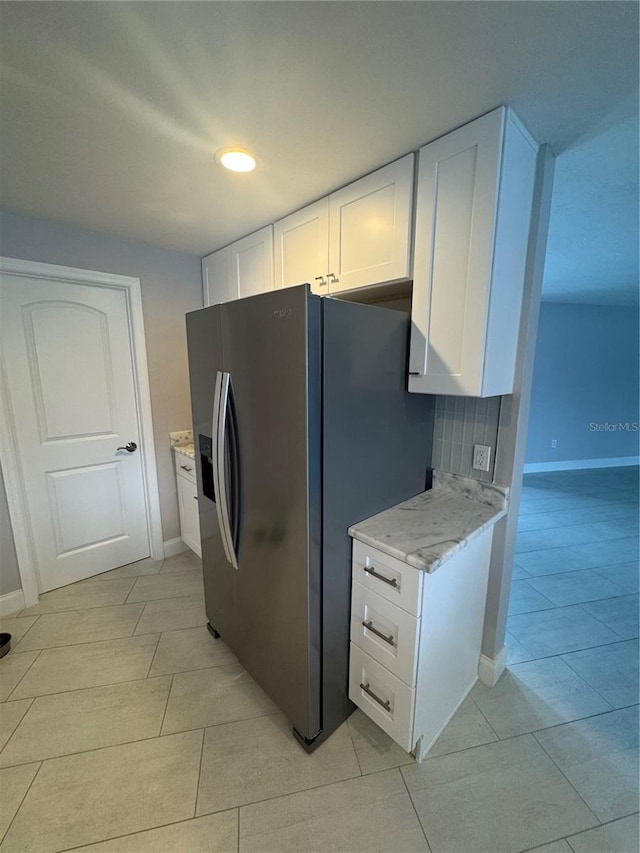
x=554 y=442
x=481 y=457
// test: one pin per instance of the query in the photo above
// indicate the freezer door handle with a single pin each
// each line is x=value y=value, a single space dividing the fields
x=220 y=409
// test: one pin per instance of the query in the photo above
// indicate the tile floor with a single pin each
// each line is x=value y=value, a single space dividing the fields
x=124 y=728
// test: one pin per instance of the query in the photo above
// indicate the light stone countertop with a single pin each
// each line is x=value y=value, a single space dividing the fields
x=182 y=442
x=428 y=529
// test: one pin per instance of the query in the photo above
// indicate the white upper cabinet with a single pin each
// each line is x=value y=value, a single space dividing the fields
x=370 y=228
x=301 y=248
x=473 y=213
x=216 y=280
x=358 y=236
x=252 y=263
x=242 y=269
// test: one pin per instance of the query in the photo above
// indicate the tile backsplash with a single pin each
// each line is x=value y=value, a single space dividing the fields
x=459 y=423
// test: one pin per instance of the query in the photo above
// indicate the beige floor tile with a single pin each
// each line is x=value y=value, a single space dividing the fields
x=373 y=813
x=467 y=728
x=14 y=784
x=172 y=614
x=132 y=570
x=82 y=720
x=78 y=596
x=88 y=665
x=215 y=833
x=621 y=836
x=17 y=627
x=10 y=715
x=185 y=562
x=374 y=748
x=599 y=756
x=503 y=796
x=190 y=648
x=166 y=586
x=82 y=626
x=93 y=796
x=12 y=669
x=254 y=759
x=536 y=695
x=208 y=697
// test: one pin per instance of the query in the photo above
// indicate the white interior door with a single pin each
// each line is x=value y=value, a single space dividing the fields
x=70 y=386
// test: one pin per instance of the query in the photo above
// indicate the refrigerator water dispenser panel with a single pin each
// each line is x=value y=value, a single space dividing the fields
x=206 y=461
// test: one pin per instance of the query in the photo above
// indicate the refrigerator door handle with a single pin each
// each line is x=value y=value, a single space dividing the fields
x=220 y=410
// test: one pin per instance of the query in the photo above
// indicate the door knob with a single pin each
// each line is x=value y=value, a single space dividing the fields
x=130 y=447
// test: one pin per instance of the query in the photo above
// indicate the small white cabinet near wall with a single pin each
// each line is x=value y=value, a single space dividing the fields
x=188 y=501
x=415 y=639
x=242 y=269
x=356 y=237
x=473 y=213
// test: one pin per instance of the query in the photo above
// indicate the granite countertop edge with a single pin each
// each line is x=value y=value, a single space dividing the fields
x=479 y=506
x=182 y=442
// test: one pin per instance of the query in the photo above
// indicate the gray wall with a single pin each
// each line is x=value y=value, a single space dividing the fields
x=586 y=372
x=171 y=285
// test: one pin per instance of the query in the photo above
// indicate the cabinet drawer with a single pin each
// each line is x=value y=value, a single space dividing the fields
x=185 y=467
x=386 y=699
x=392 y=579
x=386 y=632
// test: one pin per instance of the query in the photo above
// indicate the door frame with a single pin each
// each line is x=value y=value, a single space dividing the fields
x=19 y=514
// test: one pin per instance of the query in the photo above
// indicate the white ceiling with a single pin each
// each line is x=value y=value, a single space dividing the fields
x=111 y=112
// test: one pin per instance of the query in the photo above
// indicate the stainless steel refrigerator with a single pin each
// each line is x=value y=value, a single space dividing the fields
x=302 y=427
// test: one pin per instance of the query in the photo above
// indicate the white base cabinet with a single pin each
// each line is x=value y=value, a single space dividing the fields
x=356 y=237
x=416 y=639
x=188 y=501
x=473 y=213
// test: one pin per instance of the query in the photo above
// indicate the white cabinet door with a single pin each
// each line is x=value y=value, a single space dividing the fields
x=301 y=248
x=370 y=228
x=252 y=263
x=473 y=213
x=217 y=285
x=188 y=509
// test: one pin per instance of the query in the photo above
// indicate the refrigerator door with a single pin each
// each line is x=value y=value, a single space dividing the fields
x=204 y=339
x=271 y=354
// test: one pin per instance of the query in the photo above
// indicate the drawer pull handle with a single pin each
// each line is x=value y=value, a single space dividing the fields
x=369 y=627
x=370 y=570
x=386 y=705
x=186 y=467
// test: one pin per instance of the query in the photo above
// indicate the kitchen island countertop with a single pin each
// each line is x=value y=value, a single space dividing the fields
x=428 y=529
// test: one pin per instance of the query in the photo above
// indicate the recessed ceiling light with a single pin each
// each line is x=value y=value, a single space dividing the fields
x=236 y=159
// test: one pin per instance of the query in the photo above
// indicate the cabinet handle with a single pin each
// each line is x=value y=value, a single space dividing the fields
x=333 y=277
x=369 y=627
x=186 y=468
x=321 y=279
x=195 y=497
x=386 y=705
x=370 y=570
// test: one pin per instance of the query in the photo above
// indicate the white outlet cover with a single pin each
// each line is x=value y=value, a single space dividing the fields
x=481 y=457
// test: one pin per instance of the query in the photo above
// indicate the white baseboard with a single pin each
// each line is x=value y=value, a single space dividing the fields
x=174 y=546
x=578 y=464
x=490 y=669
x=11 y=602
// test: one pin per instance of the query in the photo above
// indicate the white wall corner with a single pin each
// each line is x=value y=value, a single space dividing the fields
x=490 y=669
x=174 y=546
x=11 y=602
